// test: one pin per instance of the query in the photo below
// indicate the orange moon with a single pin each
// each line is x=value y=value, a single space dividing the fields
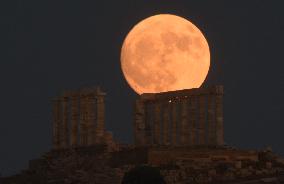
x=164 y=53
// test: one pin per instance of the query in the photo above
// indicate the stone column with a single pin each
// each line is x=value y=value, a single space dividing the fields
x=211 y=120
x=192 y=120
x=157 y=123
x=174 y=122
x=139 y=123
x=166 y=121
x=65 y=127
x=148 y=123
x=83 y=121
x=202 y=119
x=90 y=111
x=56 y=123
x=219 y=120
x=100 y=121
x=74 y=119
x=184 y=131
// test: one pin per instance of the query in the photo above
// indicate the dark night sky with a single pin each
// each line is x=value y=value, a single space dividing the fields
x=49 y=46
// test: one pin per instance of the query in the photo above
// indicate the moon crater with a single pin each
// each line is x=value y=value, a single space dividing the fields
x=165 y=53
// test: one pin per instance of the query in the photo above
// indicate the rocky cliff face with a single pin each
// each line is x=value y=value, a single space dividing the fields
x=86 y=165
x=94 y=165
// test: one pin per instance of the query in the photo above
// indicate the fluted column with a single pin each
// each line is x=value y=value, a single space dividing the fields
x=148 y=127
x=139 y=123
x=157 y=123
x=219 y=120
x=100 y=119
x=192 y=120
x=83 y=121
x=174 y=122
x=56 y=123
x=211 y=120
x=65 y=128
x=74 y=119
x=184 y=131
x=202 y=120
x=166 y=121
x=90 y=111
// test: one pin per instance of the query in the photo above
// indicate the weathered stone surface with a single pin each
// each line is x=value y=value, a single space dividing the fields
x=192 y=121
x=219 y=120
x=157 y=123
x=139 y=123
x=149 y=128
x=98 y=164
x=83 y=121
x=174 y=136
x=238 y=164
x=189 y=117
x=64 y=128
x=79 y=118
x=211 y=120
x=100 y=127
x=101 y=160
x=166 y=123
x=184 y=125
x=202 y=120
x=74 y=120
x=91 y=119
x=57 y=120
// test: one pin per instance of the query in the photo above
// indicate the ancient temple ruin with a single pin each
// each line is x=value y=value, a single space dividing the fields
x=79 y=119
x=180 y=133
x=180 y=118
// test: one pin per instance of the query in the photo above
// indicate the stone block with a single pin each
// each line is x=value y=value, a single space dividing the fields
x=238 y=164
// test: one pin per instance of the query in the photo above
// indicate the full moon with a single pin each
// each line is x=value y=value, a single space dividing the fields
x=164 y=53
